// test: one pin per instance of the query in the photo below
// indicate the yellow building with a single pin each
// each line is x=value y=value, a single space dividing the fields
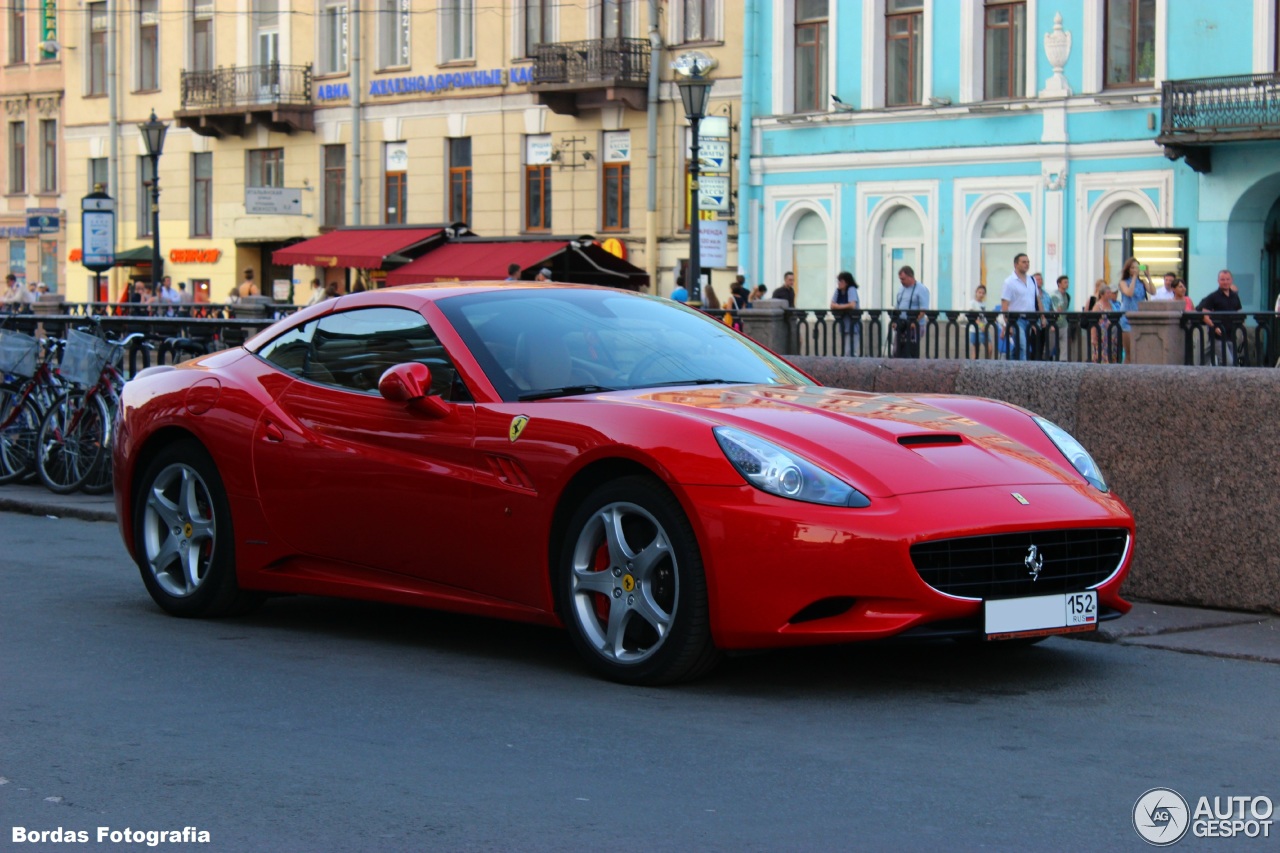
x=33 y=215
x=517 y=117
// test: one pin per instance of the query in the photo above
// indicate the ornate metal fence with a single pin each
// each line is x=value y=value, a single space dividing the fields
x=245 y=85
x=621 y=60
x=1216 y=104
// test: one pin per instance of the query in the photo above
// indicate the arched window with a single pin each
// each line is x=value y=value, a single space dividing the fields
x=901 y=244
x=1127 y=215
x=1003 y=237
x=809 y=253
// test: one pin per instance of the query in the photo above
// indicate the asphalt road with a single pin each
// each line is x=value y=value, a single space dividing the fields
x=325 y=725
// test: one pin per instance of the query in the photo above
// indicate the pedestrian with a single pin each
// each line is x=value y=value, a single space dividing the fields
x=331 y=290
x=29 y=297
x=1019 y=298
x=1222 y=332
x=1134 y=287
x=184 y=295
x=544 y=274
x=1060 y=304
x=757 y=294
x=1166 y=290
x=913 y=296
x=739 y=294
x=168 y=295
x=844 y=306
x=979 y=342
x=12 y=294
x=788 y=289
x=1102 y=341
x=709 y=298
x=513 y=272
x=248 y=287
x=1180 y=293
x=680 y=294
x=317 y=292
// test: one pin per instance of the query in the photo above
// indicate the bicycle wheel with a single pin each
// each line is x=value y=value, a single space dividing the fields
x=19 y=425
x=72 y=436
x=99 y=480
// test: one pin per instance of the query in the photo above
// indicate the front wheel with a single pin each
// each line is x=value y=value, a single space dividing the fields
x=182 y=536
x=631 y=588
x=19 y=426
x=73 y=435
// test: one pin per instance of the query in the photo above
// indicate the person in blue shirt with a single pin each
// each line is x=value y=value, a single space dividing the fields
x=680 y=294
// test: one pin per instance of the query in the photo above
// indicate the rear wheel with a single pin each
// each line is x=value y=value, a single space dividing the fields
x=182 y=537
x=73 y=434
x=631 y=587
x=19 y=427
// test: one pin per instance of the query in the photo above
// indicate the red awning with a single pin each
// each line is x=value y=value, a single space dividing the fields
x=364 y=248
x=474 y=261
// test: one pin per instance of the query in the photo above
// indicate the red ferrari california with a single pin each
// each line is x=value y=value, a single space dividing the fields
x=617 y=464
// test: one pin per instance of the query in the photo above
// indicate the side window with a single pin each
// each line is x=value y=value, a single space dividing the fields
x=353 y=349
x=291 y=351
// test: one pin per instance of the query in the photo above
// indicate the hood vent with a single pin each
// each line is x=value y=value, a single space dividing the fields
x=929 y=439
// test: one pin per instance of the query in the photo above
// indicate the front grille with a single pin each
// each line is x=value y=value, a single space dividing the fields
x=996 y=566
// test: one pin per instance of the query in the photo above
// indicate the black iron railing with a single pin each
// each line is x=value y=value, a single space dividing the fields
x=1234 y=340
x=246 y=86
x=1214 y=105
x=602 y=61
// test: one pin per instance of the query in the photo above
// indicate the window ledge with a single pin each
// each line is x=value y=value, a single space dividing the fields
x=701 y=43
x=459 y=63
x=331 y=75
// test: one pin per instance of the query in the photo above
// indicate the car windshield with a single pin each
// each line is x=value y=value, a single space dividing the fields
x=543 y=343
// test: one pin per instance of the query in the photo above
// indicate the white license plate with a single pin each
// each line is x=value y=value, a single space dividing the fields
x=1041 y=615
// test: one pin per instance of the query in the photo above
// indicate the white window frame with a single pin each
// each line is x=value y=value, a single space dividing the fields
x=519 y=48
x=783 y=208
x=889 y=196
x=1095 y=19
x=323 y=36
x=399 y=19
x=89 y=8
x=1091 y=221
x=197 y=10
x=784 y=47
x=973 y=31
x=445 y=29
x=992 y=193
x=1264 y=36
x=873 y=53
x=677 y=35
x=137 y=41
x=595 y=11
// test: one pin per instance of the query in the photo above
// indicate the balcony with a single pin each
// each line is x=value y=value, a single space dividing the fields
x=577 y=75
x=228 y=101
x=1198 y=114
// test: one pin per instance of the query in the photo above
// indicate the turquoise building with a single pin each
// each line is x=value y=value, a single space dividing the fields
x=949 y=135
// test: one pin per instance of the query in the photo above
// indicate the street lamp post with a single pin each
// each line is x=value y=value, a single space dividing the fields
x=153 y=131
x=695 y=89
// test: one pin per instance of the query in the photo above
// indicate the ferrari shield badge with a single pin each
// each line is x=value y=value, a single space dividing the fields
x=1017 y=497
x=518 y=423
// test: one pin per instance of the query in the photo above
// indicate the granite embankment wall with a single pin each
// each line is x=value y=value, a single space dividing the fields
x=1193 y=451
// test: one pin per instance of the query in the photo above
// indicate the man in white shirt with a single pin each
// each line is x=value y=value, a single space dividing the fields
x=914 y=296
x=1020 y=296
x=1166 y=290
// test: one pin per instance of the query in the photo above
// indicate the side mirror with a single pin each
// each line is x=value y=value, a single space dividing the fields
x=411 y=383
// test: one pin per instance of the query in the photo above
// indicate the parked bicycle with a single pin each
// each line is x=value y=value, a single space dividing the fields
x=31 y=385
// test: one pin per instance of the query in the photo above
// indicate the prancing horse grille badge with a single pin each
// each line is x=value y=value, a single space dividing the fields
x=1034 y=563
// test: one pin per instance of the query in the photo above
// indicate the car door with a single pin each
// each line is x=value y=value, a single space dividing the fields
x=344 y=474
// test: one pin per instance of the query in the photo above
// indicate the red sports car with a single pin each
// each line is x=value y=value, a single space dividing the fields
x=618 y=464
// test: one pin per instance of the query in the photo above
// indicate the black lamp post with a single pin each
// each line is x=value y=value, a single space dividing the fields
x=695 y=91
x=153 y=131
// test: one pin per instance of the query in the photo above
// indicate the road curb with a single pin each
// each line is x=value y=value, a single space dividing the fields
x=54 y=510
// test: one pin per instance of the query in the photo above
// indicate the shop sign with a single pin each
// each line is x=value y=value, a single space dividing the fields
x=432 y=83
x=48 y=26
x=195 y=256
x=713 y=243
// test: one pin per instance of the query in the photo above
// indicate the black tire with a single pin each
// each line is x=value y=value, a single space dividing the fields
x=19 y=428
x=183 y=539
x=99 y=480
x=73 y=434
x=630 y=586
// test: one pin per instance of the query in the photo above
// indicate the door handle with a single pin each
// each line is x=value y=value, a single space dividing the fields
x=271 y=432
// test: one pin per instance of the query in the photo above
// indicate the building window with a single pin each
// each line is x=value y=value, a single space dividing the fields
x=901 y=244
x=202 y=35
x=202 y=195
x=333 y=38
x=266 y=29
x=335 y=186
x=701 y=20
x=97 y=82
x=1005 y=50
x=396 y=182
x=537 y=183
x=17 y=157
x=48 y=155
x=460 y=180
x=810 y=262
x=393 y=33
x=1130 y=42
x=146 y=176
x=1126 y=216
x=537 y=24
x=49 y=264
x=18 y=260
x=457 y=30
x=266 y=167
x=811 y=55
x=616 y=181
x=903 y=66
x=148 y=46
x=98 y=174
x=1003 y=237
x=17 y=32
x=617 y=18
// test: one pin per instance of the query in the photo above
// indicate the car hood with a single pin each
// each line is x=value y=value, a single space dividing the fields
x=881 y=444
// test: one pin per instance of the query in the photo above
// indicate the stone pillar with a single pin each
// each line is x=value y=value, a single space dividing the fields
x=765 y=323
x=1157 y=334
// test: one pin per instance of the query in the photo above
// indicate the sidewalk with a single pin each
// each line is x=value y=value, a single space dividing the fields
x=1193 y=630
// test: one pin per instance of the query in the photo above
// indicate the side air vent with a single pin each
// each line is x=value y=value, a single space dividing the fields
x=929 y=439
x=824 y=608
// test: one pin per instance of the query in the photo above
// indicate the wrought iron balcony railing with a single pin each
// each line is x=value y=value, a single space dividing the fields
x=598 y=62
x=1221 y=108
x=247 y=86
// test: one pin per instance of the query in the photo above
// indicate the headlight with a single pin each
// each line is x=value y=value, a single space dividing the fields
x=1075 y=453
x=769 y=468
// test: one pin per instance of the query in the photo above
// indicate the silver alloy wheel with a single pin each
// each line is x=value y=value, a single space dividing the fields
x=625 y=608
x=178 y=530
